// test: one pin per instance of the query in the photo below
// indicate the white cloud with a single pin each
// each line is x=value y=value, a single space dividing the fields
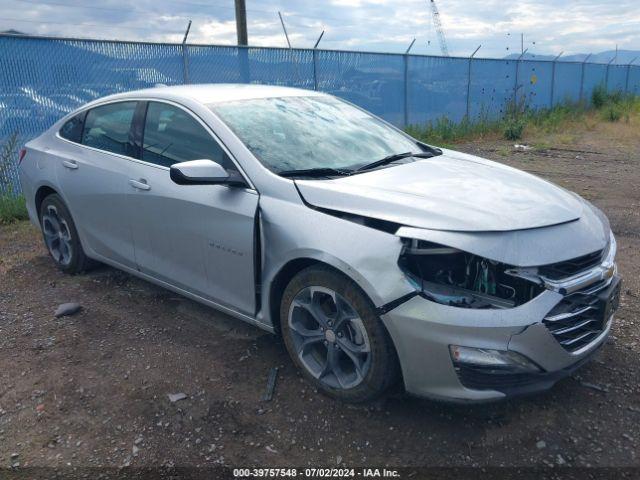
x=389 y=25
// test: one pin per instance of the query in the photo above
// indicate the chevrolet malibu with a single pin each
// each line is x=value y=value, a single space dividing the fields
x=379 y=259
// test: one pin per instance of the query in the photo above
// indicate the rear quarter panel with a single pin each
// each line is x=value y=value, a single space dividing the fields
x=35 y=171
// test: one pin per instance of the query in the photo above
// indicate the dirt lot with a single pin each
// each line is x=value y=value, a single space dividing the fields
x=91 y=390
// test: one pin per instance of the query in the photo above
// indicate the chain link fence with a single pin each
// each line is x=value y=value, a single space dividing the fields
x=42 y=79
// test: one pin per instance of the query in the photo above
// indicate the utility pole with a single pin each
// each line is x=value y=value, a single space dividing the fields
x=243 y=41
x=522 y=44
x=241 y=22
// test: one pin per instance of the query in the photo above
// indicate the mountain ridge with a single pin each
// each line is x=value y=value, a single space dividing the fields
x=623 y=57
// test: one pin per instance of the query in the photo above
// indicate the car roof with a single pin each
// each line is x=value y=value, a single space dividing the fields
x=214 y=92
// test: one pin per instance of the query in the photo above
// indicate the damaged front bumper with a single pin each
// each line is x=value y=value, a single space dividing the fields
x=555 y=344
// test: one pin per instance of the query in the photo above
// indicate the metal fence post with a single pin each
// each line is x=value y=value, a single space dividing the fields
x=185 y=56
x=315 y=69
x=406 y=84
x=468 y=110
x=405 y=90
x=315 y=61
x=553 y=78
x=515 y=87
x=626 y=81
x=582 y=77
x=185 y=65
x=606 y=78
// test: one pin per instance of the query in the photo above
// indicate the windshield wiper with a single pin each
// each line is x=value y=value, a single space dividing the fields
x=315 y=172
x=392 y=158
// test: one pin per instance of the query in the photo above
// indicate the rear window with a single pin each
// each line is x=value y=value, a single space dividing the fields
x=107 y=128
x=72 y=129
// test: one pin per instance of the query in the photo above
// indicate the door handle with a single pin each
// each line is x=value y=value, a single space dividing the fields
x=70 y=164
x=140 y=184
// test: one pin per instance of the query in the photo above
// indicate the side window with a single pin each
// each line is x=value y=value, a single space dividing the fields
x=107 y=127
x=171 y=135
x=72 y=128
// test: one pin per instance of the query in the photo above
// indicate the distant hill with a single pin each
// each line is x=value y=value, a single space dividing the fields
x=13 y=32
x=624 y=57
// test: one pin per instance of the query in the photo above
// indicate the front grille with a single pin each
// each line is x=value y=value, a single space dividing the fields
x=568 y=268
x=581 y=316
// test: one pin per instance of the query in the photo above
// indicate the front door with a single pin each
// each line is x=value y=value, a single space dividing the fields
x=197 y=237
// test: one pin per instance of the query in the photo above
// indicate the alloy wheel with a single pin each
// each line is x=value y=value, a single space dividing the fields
x=57 y=235
x=329 y=337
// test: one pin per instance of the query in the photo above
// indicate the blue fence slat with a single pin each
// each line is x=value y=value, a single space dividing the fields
x=41 y=79
x=617 y=78
x=491 y=88
x=274 y=66
x=595 y=74
x=534 y=83
x=371 y=80
x=437 y=87
x=281 y=66
x=566 y=87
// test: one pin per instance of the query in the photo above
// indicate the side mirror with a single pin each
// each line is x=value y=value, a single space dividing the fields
x=203 y=172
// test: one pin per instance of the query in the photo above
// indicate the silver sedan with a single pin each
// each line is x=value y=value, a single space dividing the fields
x=379 y=259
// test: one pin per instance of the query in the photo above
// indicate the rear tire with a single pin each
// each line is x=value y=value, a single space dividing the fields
x=335 y=337
x=61 y=237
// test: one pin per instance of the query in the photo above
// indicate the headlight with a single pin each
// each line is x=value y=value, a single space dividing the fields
x=452 y=277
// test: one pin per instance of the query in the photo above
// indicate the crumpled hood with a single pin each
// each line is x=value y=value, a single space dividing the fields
x=453 y=191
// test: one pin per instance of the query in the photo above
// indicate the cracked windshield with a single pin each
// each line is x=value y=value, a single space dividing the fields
x=299 y=133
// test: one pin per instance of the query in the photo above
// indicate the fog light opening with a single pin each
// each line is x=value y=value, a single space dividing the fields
x=499 y=361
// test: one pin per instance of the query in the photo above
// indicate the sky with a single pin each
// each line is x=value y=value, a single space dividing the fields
x=549 y=27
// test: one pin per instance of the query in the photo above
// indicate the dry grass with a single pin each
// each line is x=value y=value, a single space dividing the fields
x=625 y=131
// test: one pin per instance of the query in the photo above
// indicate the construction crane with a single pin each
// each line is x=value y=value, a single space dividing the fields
x=438 y=25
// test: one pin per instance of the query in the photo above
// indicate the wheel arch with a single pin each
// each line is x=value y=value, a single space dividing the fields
x=43 y=192
x=280 y=282
x=292 y=267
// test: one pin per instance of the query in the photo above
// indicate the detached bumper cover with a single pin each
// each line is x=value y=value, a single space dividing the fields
x=515 y=384
x=423 y=330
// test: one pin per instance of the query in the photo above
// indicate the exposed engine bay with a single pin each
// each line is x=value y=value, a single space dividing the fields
x=456 y=278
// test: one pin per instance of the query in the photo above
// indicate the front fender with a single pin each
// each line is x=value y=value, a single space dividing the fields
x=291 y=231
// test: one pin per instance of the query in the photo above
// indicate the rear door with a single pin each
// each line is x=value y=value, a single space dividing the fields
x=93 y=170
x=197 y=237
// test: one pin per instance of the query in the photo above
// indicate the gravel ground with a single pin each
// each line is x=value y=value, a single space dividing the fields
x=92 y=389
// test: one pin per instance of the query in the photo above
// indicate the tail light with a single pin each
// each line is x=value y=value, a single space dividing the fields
x=21 y=155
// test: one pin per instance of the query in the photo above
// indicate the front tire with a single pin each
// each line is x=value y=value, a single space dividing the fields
x=335 y=337
x=61 y=237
